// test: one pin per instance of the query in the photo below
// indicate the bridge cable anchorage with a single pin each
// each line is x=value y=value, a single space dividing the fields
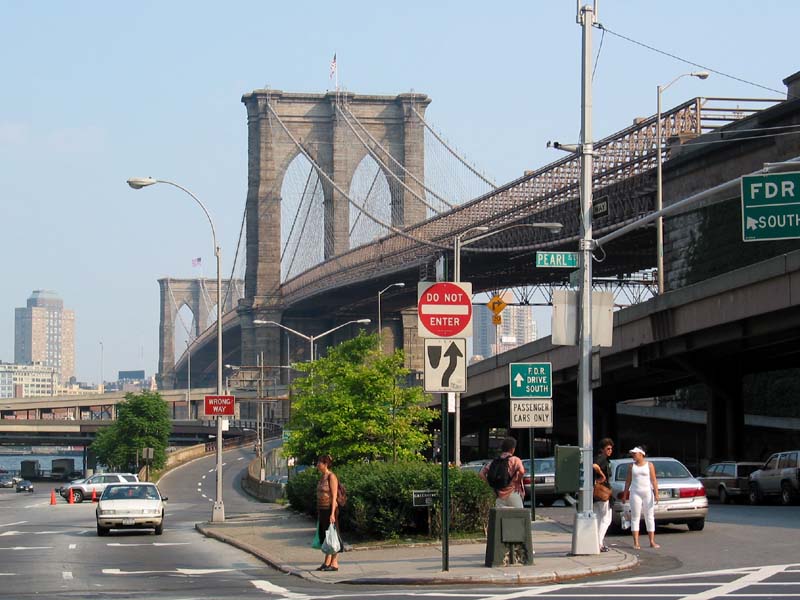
x=453 y=152
x=395 y=161
x=352 y=202
x=298 y=245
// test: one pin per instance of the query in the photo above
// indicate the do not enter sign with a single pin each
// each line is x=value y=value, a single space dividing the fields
x=444 y=309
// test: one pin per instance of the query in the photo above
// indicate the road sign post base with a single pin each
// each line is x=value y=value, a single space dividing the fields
x=584 y=535
x=218 y=513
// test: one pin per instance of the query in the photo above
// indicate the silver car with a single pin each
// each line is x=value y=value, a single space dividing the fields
x=544 y=480
x=130 y=505
x=681 y=498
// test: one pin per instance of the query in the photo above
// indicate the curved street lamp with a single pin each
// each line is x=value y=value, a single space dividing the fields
x=137 y=183
x=310 y=338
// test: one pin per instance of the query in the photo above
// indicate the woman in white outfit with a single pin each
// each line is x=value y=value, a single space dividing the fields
x=641 y=488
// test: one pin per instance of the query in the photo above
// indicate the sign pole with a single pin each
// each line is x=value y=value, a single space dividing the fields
x=445 y=484
x=533 y=474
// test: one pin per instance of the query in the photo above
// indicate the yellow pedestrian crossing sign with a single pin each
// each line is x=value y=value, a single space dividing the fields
x=496 y=305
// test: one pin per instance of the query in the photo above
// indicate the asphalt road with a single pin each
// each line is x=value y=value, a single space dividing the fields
x=54 y=552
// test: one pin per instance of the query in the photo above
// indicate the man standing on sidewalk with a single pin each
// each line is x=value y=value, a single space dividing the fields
x=602 y=474
x=504 y=474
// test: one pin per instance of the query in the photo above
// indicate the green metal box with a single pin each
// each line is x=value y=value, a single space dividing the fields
x=568 y=469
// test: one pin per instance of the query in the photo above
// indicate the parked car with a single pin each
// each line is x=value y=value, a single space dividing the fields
x=475 y=465
x=82 y=488
x=681 y=497
x=131 y=505
x=544 y=480
x=24 y=486
x=729 y=480
x=779 y=476
x=6 y=482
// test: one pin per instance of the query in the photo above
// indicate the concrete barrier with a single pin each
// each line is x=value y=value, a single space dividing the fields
x=264 y=490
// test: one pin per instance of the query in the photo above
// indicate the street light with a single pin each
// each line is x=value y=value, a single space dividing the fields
x=310 y=338
x=380 y=330
x=457 y=245
x=660 y=221
x=218 y=511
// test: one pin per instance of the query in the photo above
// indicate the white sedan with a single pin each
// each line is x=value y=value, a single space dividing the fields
x=131 y=505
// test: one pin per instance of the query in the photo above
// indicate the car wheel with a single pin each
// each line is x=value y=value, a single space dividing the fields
x=159 y=529
x=696 y=525
x=101 y=531
x=786 y=493
x=724 y=498
x=77 y=496
x=754 y=494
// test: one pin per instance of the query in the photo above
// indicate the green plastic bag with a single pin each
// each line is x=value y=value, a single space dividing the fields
x=316 y=543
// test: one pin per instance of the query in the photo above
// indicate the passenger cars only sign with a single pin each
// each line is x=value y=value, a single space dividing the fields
x=444 y=309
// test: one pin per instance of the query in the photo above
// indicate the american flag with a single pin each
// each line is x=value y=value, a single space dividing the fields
x=196 y=261
x=333 y=66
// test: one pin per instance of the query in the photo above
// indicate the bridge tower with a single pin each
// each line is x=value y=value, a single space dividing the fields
x=315 y=123
x=199 y=295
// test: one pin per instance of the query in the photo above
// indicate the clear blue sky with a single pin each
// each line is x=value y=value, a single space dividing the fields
x=95 y=92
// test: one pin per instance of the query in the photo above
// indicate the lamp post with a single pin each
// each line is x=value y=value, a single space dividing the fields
x=189 y=379
x=218 y=511
x=660 y=221
x=458 y=243
x=310 y=338
x=380 y=329
x=101 y=387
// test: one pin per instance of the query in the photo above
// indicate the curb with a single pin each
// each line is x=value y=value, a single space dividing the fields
x=558 y=576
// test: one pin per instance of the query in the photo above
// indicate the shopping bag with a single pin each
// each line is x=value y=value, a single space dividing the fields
x=331 y=545
x=316 y=544
x=625 y=520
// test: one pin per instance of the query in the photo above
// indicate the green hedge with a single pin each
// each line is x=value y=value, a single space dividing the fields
x=379 y=502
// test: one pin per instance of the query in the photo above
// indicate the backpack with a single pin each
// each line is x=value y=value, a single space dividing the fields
x=498 y=476
x=341 y=493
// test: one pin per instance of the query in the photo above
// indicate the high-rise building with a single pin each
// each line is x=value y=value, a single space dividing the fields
x=44 y=332
x=518 y=327
x=26 y=381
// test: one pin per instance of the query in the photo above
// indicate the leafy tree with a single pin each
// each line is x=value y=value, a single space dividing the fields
x=352 y=404
x=142 y=422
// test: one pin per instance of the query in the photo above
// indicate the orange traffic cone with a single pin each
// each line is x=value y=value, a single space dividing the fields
x=94 y=495
x=52 y=497
x=71 y=497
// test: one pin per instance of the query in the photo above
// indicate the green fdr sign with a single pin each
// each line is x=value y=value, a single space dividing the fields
x=770 y=207
x=531 y=380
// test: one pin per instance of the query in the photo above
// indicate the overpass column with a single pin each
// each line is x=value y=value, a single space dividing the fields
x=725 y=415
x=261 y=338
x=483 y=440
x=412 y=343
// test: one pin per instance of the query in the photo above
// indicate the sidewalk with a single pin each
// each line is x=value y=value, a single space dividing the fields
x=282 y=538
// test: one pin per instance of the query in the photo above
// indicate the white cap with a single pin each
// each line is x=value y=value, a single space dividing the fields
x=638 y=450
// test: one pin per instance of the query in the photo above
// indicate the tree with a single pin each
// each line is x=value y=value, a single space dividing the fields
x=142 y=422
x=353 y=405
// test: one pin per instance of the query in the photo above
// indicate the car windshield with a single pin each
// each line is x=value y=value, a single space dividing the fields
x=665 y=469
x=745 y=470
x=131 y=492
x=543 y=465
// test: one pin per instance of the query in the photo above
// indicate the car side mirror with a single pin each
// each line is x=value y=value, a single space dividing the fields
x=164 y=498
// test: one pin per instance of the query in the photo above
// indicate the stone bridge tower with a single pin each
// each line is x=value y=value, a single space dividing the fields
x=314 y=121
x=200 y=296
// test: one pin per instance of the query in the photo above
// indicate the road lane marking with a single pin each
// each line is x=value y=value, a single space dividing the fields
x=12 y=532
x=203 y=477
x=180 y=571
x=211 y=470
x=118 y=544
x=240 y=458
x=271 y=588
x=66 y=574
x=14 y=523
x=27 y=548
x=73 y=546
x=39 y=504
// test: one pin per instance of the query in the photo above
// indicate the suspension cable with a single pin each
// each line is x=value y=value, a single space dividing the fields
x=297 y=214
x=366 y=199
x=303 y=228
x=453 y=152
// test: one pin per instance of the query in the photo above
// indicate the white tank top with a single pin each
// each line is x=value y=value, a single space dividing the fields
x=640 y=478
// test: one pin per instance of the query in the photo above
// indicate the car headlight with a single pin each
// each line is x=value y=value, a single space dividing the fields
x=106 y=513
x=152 y=511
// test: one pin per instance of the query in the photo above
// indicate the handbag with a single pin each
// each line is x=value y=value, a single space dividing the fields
x=332 y=544
x=316 y=543
x=601 y=492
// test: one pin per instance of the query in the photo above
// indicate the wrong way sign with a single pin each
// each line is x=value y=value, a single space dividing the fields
x=445 y=365
x=219 y=406
x=444 y=309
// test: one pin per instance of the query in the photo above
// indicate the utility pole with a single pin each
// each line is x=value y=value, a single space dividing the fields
x=584 y=532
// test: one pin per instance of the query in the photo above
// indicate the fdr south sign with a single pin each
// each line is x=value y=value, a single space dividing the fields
x=444 y=309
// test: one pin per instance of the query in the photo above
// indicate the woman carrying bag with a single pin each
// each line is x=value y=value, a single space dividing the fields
x=327 y=511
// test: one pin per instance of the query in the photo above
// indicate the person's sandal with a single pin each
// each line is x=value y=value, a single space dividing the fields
x=322 y=567
x=329 y=568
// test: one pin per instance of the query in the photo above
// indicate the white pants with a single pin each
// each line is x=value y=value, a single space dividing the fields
x=513 y=500
x=642 y=501
x=603 y=512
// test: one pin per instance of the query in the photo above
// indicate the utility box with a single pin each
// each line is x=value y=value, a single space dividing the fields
x=568 y=469
x=508 y=539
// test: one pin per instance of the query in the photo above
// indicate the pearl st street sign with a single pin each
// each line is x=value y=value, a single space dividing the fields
x=444 y=309
x=771 y=207
x=557 y=260
x=530 y=380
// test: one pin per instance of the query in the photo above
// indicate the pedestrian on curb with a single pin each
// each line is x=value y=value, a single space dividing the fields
x=641 y=487
x=327 y=508
x=602 y=474
x=504 y=474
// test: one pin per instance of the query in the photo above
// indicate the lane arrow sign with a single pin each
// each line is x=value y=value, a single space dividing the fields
x=453 y=353
x=518 y=380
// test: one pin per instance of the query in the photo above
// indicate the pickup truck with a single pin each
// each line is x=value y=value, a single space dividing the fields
x=779 y=476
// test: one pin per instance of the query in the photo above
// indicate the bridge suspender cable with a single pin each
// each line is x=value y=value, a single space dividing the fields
x=352 y=202
x=453 y=152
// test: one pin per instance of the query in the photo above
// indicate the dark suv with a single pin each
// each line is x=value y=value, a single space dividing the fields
x=729 y=481
x=779 y=476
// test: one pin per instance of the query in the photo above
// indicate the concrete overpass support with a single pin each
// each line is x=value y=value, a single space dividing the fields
x=391 y=332
x=412 y=343
x=725 y=416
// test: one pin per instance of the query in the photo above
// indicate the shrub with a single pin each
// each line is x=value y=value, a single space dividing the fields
x=380 y=504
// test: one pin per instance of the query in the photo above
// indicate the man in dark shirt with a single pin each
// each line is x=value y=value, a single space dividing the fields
x=602 y=474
